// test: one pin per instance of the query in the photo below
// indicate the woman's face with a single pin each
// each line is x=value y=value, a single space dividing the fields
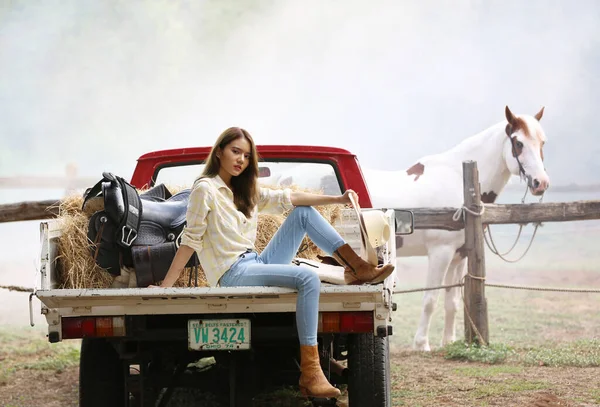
x=235 y=157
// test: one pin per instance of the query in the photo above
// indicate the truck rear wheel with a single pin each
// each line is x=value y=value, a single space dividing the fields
x=101 y=375
x=369 y=381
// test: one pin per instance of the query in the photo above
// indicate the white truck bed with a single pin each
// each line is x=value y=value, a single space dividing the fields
x=213 y=300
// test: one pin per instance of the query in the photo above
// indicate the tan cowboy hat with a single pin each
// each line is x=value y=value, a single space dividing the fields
x=378 y=228
x=371 y=223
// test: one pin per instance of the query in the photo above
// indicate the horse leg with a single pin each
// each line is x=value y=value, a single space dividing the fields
x=439 y=260
x=452 y=299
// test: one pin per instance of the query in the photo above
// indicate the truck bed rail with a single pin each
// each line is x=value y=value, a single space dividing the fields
x=137 y=301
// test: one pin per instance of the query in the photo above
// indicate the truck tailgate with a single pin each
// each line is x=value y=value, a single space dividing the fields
x=140 y=301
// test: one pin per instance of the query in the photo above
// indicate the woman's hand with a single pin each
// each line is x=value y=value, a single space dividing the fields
x=346 y=197
x=154 y=286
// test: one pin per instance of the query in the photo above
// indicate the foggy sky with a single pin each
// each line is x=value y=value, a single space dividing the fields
x=98 y=84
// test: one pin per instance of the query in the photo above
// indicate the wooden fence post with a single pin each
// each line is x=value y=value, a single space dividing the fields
x=476 y=316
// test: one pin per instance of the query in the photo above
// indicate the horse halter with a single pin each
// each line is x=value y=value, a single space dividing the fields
x=522 y=172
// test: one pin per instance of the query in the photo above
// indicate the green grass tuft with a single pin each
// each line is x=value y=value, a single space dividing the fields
x=507 y=388
x=491 y=354
x=595 y=394
x=581 y=353
x=58 y=361
x=487 y=371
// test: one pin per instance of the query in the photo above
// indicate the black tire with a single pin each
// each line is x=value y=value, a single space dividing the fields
x=101 y=375
x=382 y=371
x=369 y=382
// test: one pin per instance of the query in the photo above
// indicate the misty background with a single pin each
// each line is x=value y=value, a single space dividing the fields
x=96 y=84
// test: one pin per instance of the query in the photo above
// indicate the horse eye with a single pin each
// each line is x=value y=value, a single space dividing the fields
x=519 y=144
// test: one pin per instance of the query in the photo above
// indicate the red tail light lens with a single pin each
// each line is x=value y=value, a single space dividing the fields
x=346 y=322
x=357 y=322
x=86 y=327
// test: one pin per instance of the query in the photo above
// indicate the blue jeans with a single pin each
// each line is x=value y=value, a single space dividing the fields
x=273 y=267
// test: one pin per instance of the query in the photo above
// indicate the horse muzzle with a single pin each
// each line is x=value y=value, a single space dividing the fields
x=538 y=186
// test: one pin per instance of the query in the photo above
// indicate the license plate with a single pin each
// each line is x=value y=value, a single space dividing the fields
x=218 y=334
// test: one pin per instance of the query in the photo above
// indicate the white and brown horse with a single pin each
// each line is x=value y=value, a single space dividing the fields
x=511 y=147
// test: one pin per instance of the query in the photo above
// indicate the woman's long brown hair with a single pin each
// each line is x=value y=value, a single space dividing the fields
x=245 y=189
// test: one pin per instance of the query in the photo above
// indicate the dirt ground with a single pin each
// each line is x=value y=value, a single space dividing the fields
x=28 y=388
x=418 y=380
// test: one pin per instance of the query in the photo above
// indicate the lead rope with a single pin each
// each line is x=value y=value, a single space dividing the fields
x=492 y=245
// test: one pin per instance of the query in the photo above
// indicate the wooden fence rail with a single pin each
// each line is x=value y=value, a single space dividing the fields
x=425 y=218
x=441 y=218
x=16 y=212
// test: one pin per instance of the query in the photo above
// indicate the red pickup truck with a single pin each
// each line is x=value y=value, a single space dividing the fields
x=139 y=346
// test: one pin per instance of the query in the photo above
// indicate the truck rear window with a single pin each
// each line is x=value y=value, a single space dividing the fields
x=313 y=176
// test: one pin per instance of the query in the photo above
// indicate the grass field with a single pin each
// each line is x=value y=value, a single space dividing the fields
x=544 y=347
x=545 y=351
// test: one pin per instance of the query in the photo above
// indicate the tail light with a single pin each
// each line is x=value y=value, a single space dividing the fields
x=346 y=322
x=83 y=327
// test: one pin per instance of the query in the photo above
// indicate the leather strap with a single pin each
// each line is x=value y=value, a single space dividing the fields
x=129 y=223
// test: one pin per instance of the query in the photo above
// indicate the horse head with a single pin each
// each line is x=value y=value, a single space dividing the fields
x=523 y=153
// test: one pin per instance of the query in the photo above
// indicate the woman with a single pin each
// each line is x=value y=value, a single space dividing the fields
x=221 y=229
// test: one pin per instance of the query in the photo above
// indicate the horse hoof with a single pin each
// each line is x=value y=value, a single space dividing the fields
x=422 y=346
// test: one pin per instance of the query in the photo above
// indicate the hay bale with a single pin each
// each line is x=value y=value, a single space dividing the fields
x=77 y=269
x=75 y=265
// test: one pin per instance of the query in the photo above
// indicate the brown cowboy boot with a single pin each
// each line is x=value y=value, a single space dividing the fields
x=312 y=380
x=359 y=271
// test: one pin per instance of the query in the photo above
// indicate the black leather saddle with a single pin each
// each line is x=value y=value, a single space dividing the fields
x=162 y=220
x=142 y=231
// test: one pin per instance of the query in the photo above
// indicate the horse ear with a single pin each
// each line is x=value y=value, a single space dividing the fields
x=509 y=115
x=539 y=114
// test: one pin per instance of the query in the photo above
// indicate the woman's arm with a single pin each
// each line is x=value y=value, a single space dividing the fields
x=307 y=199
x=177 y=265
x=199 y=206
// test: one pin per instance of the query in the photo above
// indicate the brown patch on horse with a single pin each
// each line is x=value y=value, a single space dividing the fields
x=418 y=169
x=489 y=197
x=516 y=124
x=542 y=152
x=516 y=150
